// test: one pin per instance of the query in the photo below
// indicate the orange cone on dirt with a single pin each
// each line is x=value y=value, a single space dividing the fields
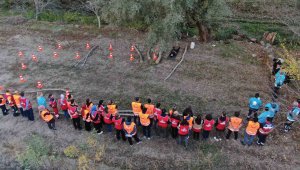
x=22 y=80
x=131 y=57
x=110 y=48
x=23 y=66
x=87 y=46
x=110 y=56
x=34 y=58
x=77 y=56
x=20 y=54
x=59 y=46
x=39 y=85
x=132 y=48
x=155 y=57
x=40 y=48
x=55 y=55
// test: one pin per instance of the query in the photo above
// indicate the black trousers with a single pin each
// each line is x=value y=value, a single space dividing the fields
x=97 y=126
x=275 y=92
x=196 y=135
x=135 y=138
x=262 y=138
x=205 y=134
x=136 y=120
x=4 y=109
x=76 y=123
x=229 y=134
x=251 y=111
x=147 y=131
x=119 y=134
x=87 y=126
x=174 y=132
x=51 y=124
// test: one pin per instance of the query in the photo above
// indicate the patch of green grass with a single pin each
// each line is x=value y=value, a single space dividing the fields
x=225 y=33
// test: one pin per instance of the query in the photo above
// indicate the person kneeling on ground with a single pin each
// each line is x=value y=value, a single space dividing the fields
x=264 y=131
x=48 y=118
x=251 y=131
x=183 y=132
x=130 y=131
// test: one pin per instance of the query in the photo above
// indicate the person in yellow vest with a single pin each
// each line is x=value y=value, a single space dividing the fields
x=17 y=99
x=130 y=130
x=3 y=105
x=145 y=122
x=48 y=118
x=251 y=131
x=150 y=110
x=112 y=108
x=235 y=123
x=136 y=109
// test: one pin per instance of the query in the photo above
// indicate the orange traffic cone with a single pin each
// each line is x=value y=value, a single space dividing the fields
x=40 y=48
x=22 y=80
x=77 y=57
x=87 y=46
x=21 y=54
x=131 y=57
x=59 y=46
x=155 y=57
x=34 y=58
x=132 y=48
x=110 y=48
x=55 y=54
x=110 y=55
x=23 y=66
x=39 y=85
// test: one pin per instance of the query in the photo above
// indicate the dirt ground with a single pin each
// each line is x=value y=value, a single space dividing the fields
x=213 y=77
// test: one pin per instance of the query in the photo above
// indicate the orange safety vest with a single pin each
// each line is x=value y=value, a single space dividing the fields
x=112 y=109
x=17 y=100
x=191 y=120
x=144 y=119
x=252 y=128
x=235 y=123
x=129 y=128
x=136 y=108
x=3 y=100
x=10 y=99
x=46 y=115
x=150 y=109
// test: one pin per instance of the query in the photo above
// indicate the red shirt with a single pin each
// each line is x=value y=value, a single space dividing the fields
x=118 y=123
x=157 y=112
x=208 y=124
x=106 y=118
x=183 y=130
x=174 y=122
x=163 y=121
x=221 y=124
x=73 y=112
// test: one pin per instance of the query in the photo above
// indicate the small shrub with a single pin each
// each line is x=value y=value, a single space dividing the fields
x=71 y=151
x=83 y=163
x=99 y=153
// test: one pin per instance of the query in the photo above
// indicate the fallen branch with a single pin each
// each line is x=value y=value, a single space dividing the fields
x=89 y=54
x=183 y=55
x=139 y=53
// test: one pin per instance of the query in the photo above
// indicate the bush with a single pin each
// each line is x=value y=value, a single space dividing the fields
x=225 y=33
x=50 y=16
x=37 y=151
x=71 y=151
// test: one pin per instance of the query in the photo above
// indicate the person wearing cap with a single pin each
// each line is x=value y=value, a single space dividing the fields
x=17 y=98
x=254 y=104
x=263 y=116
x=292 y=116
x=130 y=131
x=264 y=131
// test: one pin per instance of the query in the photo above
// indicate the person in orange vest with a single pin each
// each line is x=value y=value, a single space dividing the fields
x=130 y=130
x=118 y=122
x=11 y=102
x=48 y=118
x=235 y=123
x=112 y=108
x=208 y=124
x=251 y=131
x=157 y=111
x=74 y=114
x=220 y=125
x=53 y=105
x=17 y=98
x=183 y=132
x=136 y=109
x=145 y=122
x=3 y=105
x=197 y=126
x=63 y=103
x=96 y=118
x=264 y=131
x=27 y=107
x=163 y=121
x=175 y=119
x=150 y=110
x=107 y=117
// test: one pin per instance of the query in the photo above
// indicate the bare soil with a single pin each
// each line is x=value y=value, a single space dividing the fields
x=213 y=77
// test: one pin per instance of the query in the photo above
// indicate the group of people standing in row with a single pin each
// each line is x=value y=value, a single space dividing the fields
x=150 y=116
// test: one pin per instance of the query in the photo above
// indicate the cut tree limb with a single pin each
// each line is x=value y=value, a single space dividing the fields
x=89 y=54
x=159 y=57
x=139 y=53
x=182 y=58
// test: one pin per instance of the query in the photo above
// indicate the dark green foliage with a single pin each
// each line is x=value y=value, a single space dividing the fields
x=225 y=33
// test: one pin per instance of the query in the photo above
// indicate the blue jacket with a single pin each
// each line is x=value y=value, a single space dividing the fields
x=255 y=103
x=94 y=110
x=41 y=101
x=263 y=116
x=279 y=79
x=275 y=110
x=293 y=114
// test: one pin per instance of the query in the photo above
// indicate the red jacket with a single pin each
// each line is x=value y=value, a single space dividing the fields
x=118 y=123
x=174 y=122
x=183 y=130
x=106 y=118
x=96 y=117
x=163 y=121
x=73 y=111
x=208 y=124
x=221 y=124
x=63 y=104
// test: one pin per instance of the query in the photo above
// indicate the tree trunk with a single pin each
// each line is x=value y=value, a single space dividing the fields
x=99 y=21
x=36 y=13
x=204 y=32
